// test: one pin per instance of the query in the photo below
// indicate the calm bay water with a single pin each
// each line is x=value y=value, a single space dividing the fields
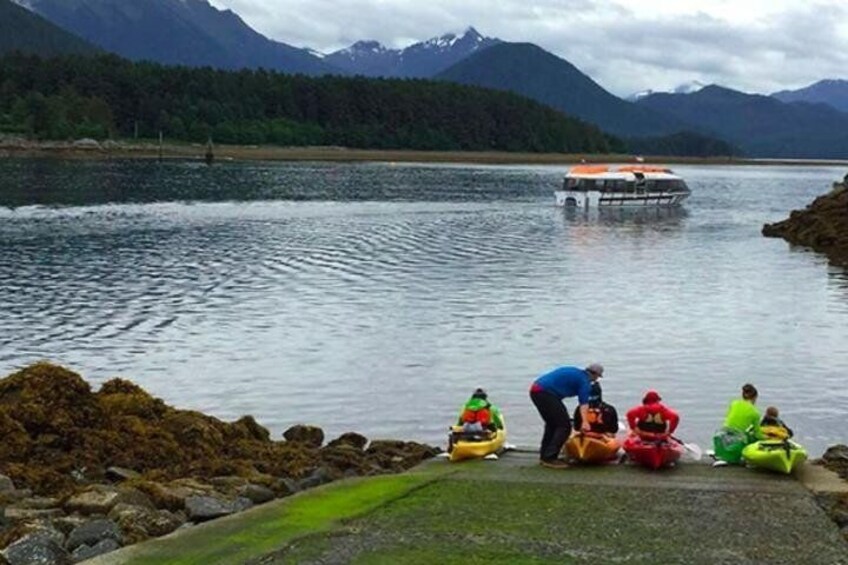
x=376 y=297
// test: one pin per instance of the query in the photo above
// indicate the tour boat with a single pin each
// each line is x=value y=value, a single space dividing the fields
x=588 y=186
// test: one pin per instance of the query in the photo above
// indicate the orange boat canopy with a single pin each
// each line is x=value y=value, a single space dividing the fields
x=600 y=169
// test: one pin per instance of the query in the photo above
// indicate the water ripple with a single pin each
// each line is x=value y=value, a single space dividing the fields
x=342 y=294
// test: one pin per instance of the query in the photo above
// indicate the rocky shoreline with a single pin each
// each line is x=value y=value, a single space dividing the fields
x=822 y=226
x=836 y=505
x=83 y=473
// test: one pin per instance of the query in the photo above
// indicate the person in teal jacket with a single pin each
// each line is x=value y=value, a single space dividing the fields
x=741 y=427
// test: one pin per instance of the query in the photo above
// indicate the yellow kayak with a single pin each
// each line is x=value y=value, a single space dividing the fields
x=477 y=445
x=592 y=448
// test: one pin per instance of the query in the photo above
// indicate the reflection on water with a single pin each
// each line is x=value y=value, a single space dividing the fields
x=342 y=294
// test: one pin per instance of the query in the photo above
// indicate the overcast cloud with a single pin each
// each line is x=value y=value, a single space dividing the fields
x=625 y=45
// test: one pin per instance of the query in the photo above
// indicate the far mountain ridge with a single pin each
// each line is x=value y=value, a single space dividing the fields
x=176 y=32
x=420 y=60
x=762 y=126
x=22 y=30
x=529 y=70
x=833 y=92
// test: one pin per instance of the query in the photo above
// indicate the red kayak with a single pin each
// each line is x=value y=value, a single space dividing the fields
x=653 y=454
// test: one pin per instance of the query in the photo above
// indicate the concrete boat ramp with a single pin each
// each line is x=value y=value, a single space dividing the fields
x=514 y=511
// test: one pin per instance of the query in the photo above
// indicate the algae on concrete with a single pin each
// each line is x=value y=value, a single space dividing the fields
x=513 y=511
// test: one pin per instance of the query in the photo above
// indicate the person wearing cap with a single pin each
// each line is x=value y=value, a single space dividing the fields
x=547 y=393
x=603 y=417
x=652 y=420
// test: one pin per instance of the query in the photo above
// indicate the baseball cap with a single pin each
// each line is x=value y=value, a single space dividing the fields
x=596 y=368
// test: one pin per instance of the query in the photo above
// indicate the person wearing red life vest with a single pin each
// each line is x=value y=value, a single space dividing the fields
x=653 y=420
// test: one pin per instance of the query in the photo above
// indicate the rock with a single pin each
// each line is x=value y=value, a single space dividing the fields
x=351 y=439
x=13 y=496
x=6 y=484
x=35 y=549
x=120 y=474
x=247 y=428
x=99 y=499
x=93 y=532
x=256 y=493
x=318 y=477
x=311 y=436
x=139 y=523
x=229 y=484
x=38 y=503
x=86 y=143
x=84 y=551
x=823 y=225
x=174 y=494
x=286 y=487
x=66 y=524
x=840 y=516
x=203 y=508
x=240 y=504
x=27 y=514
x=836 y=453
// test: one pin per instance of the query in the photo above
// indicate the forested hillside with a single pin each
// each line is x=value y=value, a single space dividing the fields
x=108 y=96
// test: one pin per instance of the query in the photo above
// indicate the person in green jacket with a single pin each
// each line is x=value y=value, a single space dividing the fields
x=741 y=427
x=479 y=414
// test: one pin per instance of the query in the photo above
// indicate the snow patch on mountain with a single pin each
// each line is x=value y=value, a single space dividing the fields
x=686 y=88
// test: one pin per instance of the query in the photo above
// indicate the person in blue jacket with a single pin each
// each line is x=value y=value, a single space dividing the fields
x=547 y=393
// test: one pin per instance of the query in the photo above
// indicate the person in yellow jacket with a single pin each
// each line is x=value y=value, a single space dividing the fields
x=741 y=427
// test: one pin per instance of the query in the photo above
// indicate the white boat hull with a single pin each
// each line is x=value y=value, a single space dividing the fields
x=592 y=199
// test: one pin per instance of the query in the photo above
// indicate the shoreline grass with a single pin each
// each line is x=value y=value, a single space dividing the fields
x=171 y=151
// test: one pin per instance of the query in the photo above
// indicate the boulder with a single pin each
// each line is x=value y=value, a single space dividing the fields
x=84 y=551
x=93 y=532
x=16 y=514
x=36 y=548
x=173 y=495
x=311 y=436
x=86 y=143
x=203 y=508
x=318 y=477
x=286 y=487
x=6 y=484
x=139 y=523
x=836 y=459
x=351 y=439
x=100 y=499
x=257 y=494
x=120 y=474
x=822 y=225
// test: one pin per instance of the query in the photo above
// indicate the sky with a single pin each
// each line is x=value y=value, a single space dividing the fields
x=625 y=45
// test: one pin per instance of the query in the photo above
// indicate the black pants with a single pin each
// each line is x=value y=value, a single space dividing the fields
x=557 y=424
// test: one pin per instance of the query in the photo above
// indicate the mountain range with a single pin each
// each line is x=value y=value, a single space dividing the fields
x=22 y=30
x=831 y=92
x=803 y=123
x=762 y=126
x=175 y=32
x=420 y=60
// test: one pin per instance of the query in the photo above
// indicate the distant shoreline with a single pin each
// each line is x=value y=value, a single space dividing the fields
x=176 y=151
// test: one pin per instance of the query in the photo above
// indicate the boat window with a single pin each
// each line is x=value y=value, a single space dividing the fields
x=651 y=185
x=631 y=186
x=570 y=184
x=587 y=184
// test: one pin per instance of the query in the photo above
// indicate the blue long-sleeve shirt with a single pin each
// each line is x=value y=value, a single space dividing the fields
x=565 y=382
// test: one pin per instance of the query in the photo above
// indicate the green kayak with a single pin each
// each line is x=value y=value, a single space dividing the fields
x=782 y=456
x=728 y=445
